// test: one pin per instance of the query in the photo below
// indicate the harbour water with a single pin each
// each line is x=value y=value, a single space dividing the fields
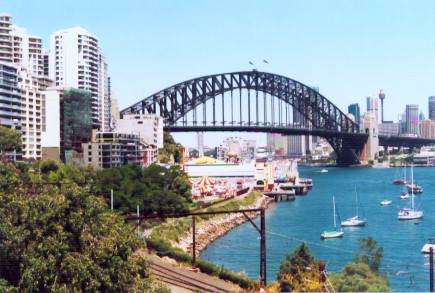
x=289 y=223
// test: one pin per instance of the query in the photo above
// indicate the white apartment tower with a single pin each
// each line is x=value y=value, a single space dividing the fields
x=76 y=61
x=23 y=49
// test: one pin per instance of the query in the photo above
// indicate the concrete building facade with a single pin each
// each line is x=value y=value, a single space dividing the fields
x=428 y=129
x=112 y=149
x=65 y=129
x=432 y=108
x=370 y=126
x=149 y=127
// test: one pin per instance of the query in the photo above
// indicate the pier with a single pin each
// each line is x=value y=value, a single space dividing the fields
x=279 y=195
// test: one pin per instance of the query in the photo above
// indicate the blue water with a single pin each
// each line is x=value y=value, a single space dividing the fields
x=288 y=223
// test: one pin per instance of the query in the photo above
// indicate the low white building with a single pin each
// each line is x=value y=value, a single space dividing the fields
x=149 y=127
x=424 y=158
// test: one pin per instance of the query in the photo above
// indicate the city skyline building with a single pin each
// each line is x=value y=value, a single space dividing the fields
x=76 y=61
x=428 y=129
x=431 y=108
x=355 y=111
x=389 y=128
x=382 y=98
x=372 y=106
x=412 y=120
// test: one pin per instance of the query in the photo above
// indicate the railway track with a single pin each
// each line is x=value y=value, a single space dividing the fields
x=184 y=280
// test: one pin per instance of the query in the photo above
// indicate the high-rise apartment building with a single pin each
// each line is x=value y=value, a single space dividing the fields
x=23 y=49
x=10 y=95
x=373 y=106
x=31 y=120
x=432 y=108
x=354 y=110
x=412 y=120
x=76 y=61
x=31 y=64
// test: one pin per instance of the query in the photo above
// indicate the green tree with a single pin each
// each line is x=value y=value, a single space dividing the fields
x=170 y=152
x=296 y=269
x=155 y=189
x=210 y=153
x=362 y=275
x=68 y=241
x=10 y=140
x=194 y=153
x=373 y=254
x=357 y=277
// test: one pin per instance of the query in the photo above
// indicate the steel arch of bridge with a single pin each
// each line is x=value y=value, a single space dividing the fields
x=324 y=118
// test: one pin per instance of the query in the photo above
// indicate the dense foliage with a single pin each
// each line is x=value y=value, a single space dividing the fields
x=362 y=275
x=156 y=189
x=299 y=272
x=10 y=140
x=170 y=153
x=64 y=239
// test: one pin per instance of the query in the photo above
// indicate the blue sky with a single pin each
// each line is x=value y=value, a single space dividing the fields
x=349 y=49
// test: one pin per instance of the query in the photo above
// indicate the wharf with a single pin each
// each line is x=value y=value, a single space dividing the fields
x=279 y=195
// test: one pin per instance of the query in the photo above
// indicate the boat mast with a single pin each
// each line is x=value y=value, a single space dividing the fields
x=356 y=202
x=412 y=184
x=404 y=173
x=333 y=203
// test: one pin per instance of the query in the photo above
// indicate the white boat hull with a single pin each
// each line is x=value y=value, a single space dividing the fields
x=353 y=223
x=409 y=214
x=333 y=234
x=386 y=202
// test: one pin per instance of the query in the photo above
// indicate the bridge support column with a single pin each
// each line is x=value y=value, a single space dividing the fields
x=348 y=149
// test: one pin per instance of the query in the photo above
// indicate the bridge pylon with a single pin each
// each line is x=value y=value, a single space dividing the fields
x=348 y=149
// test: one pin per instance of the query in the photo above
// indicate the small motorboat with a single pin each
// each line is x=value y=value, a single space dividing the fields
x=324 y=171
x=386 y=202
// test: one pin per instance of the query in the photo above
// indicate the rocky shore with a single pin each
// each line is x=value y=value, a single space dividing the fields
x=208 y=231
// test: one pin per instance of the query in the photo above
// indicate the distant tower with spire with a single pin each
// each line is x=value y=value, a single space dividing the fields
x=382 y=97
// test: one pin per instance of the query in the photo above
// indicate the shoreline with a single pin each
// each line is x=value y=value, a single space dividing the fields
x=208 y=231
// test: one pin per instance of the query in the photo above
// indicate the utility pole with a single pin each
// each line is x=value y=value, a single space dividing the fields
x=111 y=200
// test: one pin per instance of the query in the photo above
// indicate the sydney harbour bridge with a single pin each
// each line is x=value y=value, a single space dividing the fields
x=253 y=101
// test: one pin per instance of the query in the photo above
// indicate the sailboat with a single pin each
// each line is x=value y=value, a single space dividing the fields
x=404 y=195
x=357 y=220
x=332 y=233
x=410 y=213
x=400 y=181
